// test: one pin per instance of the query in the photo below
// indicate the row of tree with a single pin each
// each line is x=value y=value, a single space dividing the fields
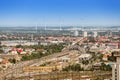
x=51 y=49
x=75 y=67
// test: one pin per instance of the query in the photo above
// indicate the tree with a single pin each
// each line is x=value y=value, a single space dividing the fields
x=75 y=67
x=18 y=46
x=1 y=51
x=51 y=49
x=105 y=67
x=112 y=58
x=12 y=60
x=86 y=62
x=100 y=56
x=91 y=39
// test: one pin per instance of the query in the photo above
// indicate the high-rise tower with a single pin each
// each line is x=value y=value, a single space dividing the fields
x=85 y=34
x=116 y=70
x=95 y=34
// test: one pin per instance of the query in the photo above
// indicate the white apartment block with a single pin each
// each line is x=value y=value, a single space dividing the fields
x=116 y=70
x=85 y=34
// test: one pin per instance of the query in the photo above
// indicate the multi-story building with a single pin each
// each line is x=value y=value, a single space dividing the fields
x=116 y=70
x=42 y=68
x=76 y=33
x=85 y=34
x=95 y=34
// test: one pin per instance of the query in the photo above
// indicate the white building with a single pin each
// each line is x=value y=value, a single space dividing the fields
x=76 y=33
x=116 y=70
x=18 y=42
x=95 y=34
x=65 y=59
x=84 y=57
x=85 y=34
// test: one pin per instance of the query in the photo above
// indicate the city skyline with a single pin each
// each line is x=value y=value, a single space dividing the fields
x=59 y=12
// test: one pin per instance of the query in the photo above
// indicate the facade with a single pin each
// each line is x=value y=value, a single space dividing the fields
x=119 y=45
x=42 y=68
x=65 y=59
x=1 y=59
x=18 y=42
x=85 y=34
x=116 y=70
x=95 y=34
x=44 y=43
x=84 y=57
x=76 y=33
x=94 y=49
x=96 y=66
x=113 y=45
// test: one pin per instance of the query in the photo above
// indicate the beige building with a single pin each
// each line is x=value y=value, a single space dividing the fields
x=42 y=68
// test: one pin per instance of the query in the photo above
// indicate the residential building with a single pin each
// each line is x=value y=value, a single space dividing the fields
x=85 y=34
x=84 y=57
x=76 y=33
x=116 y=70
x=95 y=34
x=42 y=68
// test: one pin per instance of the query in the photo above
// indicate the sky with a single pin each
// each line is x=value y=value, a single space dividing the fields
x=60 y=12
